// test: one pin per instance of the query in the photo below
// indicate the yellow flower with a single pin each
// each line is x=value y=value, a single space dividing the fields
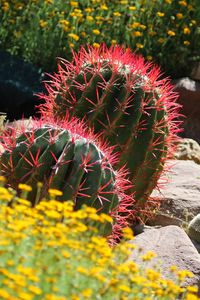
x=149 y=57
x=48 y=1
x=124 y=288
x=148 y=256
x=5 y=7
x=74 y=3
x=73 y=36
x=96 y=31
x=24 y=187
x=139 y=46
x=160 y=14
x=132 y=8
x=168 y=1
x=124 y=2
x=104 y=7
x=186 y=30
x=117 y=14
x=96 y=45
x=89 y=18
x=171 y=33
x=186 y=43
x=43 y=23
x=87 y=293
x=136 y=33
x=4 y=294
x=179 y=16
x=55 y=192
x=183 y=3
x=114 y=42
x=161 y=40
x=35 y=290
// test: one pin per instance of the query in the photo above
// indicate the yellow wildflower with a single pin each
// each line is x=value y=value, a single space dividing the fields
x=24 y=187
x=160 y=14
x=5 y=7
x=117 y=14
x=73 y=36
x=186 y=30
x=132 y=8
x=183 y=3
x=87 y=293
x=104 y=7
x=171 y=33
x=74 y=3
x=96 y=45
x=43 y=23
x=161 y=40
x=55 y=192
x=186 y=43
x=89 y=18
x=139 y=46
x=136 y=33
x=96 y=31
x=179 y=16
x=148 y=256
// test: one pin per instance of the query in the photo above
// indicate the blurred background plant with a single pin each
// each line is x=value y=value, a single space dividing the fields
x=163 y=31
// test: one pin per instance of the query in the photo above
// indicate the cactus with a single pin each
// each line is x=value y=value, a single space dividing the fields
x=122 y=98
x=69 y=158
x=194 y=228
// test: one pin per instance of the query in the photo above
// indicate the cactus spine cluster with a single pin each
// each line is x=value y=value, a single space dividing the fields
x=64 y=157
x=122 y=98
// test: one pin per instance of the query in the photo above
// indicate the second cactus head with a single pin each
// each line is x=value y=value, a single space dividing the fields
x=69 y=158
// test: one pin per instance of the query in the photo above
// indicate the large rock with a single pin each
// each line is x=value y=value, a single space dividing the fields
x=19 y=82
x=172 y=247
x=188 y=149
x=181 y=195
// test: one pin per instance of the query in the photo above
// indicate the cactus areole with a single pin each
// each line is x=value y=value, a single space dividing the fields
x=124 y=99
x=68 y=159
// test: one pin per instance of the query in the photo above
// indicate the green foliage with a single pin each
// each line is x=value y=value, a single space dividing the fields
x=161 y=30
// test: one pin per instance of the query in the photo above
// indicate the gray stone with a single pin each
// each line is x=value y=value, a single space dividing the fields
x=172 y=247
x=181 y=195
x=188 y=149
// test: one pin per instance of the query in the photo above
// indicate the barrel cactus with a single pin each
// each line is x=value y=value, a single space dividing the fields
x=122 y=98
x=69 y=158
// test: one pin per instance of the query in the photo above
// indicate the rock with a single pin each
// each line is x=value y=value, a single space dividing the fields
x=19 y=82
x=195 y=74
x=181 y=195
x=194 y=228
x=189 y=98
x=172 y=247
x=188 y=149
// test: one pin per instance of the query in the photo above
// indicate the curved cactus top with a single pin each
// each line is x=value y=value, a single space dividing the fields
x=66 y=157
x=123 y=99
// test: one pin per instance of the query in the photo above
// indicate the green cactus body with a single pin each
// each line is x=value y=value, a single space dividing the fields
x=64 y=160
x=122 y=98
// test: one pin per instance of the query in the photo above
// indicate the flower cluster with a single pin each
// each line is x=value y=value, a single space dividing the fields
x=51 y=252
x=161 y=30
